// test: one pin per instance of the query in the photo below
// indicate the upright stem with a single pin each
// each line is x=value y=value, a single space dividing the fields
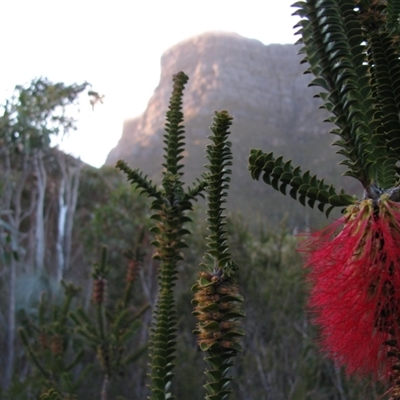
x=171 y=203
x=217 y=300
x=12 y=205
x=104 y=388
x=11 y=325
x=62 y=211
x=41 y=177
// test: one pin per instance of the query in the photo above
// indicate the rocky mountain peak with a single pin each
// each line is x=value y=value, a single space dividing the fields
x=262 y=87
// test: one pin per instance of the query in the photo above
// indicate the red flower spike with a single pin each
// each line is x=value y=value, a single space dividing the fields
x=355 y=296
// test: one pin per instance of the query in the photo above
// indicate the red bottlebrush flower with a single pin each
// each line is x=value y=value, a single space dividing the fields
x=355 y=295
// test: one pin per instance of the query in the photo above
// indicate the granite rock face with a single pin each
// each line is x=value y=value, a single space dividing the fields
x=263 y=88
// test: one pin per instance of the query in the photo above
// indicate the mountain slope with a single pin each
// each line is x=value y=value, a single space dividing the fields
x=265 y=90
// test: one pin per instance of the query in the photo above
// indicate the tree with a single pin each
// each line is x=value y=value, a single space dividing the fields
x=67 y=201
x=30 y=119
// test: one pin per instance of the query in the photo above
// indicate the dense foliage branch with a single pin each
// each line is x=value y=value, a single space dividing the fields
x=217 y=300
x=49 y=352
x=108 y=332
x=170 y=205
x=138 y=180
x=304 y=186
x=55 y=343
x=37 y=112
x=352 y=50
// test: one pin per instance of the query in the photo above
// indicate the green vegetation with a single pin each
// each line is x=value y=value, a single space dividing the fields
x=116 y=296
x=75 y=347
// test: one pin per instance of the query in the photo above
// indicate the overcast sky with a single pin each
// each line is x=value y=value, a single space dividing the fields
x=116 y=46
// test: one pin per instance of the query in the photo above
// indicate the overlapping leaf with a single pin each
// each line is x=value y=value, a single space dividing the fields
x=217 y=300
x=304 y=187
x=393 y=15
x=170 y=204
x=353 y=52
x=386 y=80
x=334 y=47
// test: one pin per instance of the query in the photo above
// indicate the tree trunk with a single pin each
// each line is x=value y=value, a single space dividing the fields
x=41 y=181
x=62 y=211
x=67 y=200
x=11 y=216
x=72 y=199
x=11 y=326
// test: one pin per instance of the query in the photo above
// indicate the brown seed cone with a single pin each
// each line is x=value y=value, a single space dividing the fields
x=217 y=306
x=99 y=290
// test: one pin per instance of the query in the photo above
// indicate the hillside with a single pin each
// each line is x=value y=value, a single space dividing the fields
x=265 y=90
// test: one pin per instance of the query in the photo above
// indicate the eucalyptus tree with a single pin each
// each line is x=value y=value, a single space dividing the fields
x=30 y=119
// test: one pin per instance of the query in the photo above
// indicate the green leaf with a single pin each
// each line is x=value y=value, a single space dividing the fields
x=305 y=188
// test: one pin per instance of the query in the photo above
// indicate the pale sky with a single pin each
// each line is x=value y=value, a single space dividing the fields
x=116 y=46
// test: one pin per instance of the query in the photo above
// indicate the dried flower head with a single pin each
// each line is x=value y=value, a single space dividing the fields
x=217 y=314
x=99 y=290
